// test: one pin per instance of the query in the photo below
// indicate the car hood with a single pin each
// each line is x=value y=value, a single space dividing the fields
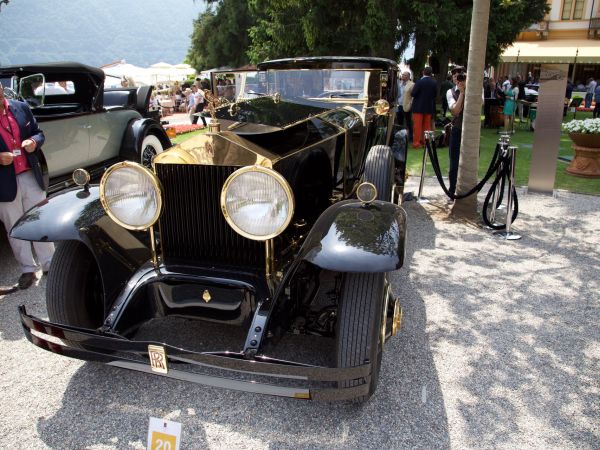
x=266 y=114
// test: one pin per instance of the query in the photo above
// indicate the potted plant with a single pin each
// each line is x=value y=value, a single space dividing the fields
x=585 y=133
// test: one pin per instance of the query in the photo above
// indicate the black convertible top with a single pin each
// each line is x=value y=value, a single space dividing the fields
x=58 y=68
x=329 y=62
x=88 y=81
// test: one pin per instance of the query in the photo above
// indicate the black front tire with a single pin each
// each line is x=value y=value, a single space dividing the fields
x=358 y=333
x=379 y=170
x=74 y=289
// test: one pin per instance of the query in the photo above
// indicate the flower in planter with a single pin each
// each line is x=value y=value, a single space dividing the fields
x=587 y=126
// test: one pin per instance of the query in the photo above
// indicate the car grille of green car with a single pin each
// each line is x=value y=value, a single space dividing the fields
x=192 y=227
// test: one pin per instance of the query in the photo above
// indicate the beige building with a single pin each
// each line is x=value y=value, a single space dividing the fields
x=569 y=34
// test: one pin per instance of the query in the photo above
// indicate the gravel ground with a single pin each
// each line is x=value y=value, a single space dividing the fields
x=499 y=349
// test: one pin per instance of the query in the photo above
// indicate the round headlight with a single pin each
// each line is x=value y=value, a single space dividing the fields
x=257 y=202
x=131 y=195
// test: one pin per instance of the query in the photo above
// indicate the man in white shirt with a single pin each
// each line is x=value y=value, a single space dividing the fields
x=191 y=106
x=199 y=102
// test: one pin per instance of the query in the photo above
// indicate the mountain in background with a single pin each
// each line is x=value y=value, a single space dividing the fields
x=142 y=32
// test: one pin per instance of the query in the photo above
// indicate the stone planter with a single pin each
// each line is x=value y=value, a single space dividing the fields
x=585 y=139
x=586 y=162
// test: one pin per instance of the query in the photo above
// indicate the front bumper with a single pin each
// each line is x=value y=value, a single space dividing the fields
x=114 y=350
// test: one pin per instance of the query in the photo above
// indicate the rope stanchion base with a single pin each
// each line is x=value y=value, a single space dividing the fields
x=507 y=235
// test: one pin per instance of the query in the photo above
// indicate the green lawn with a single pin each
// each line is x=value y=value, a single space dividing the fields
x=185 y=136
x=523 y=139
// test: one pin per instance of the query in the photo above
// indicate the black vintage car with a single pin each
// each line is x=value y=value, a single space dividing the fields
x=254 y=257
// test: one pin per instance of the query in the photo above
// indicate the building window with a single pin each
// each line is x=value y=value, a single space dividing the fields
x=572 y=9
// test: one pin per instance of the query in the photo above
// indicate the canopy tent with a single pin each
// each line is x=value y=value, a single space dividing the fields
x=565 y=51
x=166 y=73
x=157 y=73
x=114 y=73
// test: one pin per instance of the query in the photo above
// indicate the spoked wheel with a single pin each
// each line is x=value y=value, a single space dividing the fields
x=74 y=289
x=151 y=147
x=379 y=170
x=359 y=337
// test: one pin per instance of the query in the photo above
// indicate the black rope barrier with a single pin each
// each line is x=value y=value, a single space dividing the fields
x=500 y=164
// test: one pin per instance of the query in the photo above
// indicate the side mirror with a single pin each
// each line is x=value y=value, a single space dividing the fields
x=33 y=89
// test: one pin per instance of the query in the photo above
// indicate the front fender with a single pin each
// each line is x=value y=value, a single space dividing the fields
x=61 y=217
x=77 y=215
x=352 y=237
x=135 y=132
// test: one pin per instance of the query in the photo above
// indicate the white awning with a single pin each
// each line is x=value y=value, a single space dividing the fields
x=565 y=51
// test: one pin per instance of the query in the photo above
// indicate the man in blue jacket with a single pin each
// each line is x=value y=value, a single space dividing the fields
x=22 y=183
x=423 y=106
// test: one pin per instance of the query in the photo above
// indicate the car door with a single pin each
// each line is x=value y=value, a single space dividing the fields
x=67 y=143
x=107 y=129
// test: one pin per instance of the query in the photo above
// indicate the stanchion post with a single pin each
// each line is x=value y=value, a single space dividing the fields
x=428 y=139
x=507 y=234
x=503 y=142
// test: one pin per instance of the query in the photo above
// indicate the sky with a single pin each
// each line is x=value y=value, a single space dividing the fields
x=97 y=32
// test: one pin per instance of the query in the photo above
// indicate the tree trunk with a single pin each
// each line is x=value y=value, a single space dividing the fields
x=422 y=46
x=471 y=130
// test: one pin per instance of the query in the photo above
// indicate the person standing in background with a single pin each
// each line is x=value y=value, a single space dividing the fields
x=404 y=114
x=446 y=84
x=423 y=106
x=456 y=102
x=596 y=113
x=191 y=106
x=21 y=182
x=590 y=88
x=521 y=96
x=510 y=105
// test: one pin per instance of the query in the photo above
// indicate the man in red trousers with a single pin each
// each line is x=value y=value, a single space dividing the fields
x=423 y=106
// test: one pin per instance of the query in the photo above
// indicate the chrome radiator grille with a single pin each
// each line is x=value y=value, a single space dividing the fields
x=192 y=226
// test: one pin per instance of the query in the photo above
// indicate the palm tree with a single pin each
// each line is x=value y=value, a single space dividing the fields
x=471 y=132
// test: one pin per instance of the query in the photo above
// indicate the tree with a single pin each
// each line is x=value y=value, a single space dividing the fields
x=440 y=27
x=471 y=129
x=220 y=36
x=322 y=27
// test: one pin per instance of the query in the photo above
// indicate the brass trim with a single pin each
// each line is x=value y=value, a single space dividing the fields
x=153 y=248
x=86 y=176
x=225 y=148
x=158 y=358
x=283 y=183
x=206 y=296
x=270 y=264
x=397 y=317
x=155 y=183
x=381 y=107
x=385 y=312
x=366 y=200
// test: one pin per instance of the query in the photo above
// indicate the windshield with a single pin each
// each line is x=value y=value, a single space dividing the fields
x=344 y=86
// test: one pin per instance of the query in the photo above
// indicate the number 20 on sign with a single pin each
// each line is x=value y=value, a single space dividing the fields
x=163 y=434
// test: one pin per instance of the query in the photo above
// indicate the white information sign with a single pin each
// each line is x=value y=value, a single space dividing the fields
x=163 y=434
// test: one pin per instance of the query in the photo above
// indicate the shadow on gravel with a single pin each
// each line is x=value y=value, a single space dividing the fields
x=33 y=298
x=534 y=306
x=110 y=406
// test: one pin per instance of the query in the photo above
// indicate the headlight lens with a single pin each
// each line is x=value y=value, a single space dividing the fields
x=131 y=195
x=257 y=202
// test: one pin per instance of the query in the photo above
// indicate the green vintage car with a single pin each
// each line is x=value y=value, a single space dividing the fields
x=85 y=125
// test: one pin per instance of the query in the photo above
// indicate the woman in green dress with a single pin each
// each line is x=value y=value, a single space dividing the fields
x=510 y=105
